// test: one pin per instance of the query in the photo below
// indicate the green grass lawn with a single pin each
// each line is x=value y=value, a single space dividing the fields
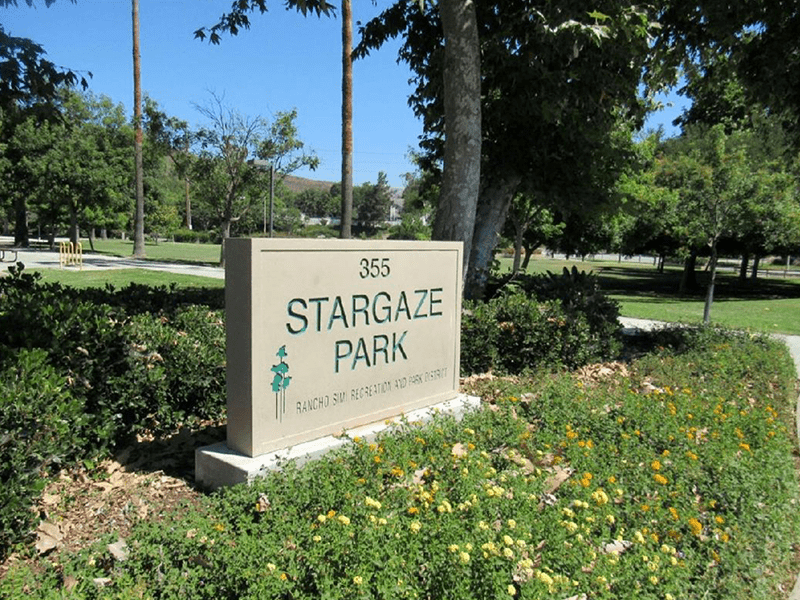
x=206 y=254
x=120 y=278
x=770 y=304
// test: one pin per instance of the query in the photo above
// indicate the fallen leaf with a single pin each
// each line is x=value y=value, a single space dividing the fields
x=459 y=450
x=119 y=550
x=263 y=503
x=50 y=529
x=50 y=499
x=45 y=543
x=70 y=582
x=419 y=476
x=616 y=547
x=559 y=476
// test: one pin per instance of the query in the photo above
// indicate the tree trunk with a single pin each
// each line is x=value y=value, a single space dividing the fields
x=225 y=230
x=519 y=234
x=74 y=228
x=743 y=268
x=528 y=253
x=711 y=281
x=138 y=220
x=347 y=121
x=21 y=239
x=458 y=199
x=188 y=221
x=689 y=278
x=489 y=220
x=754 y=274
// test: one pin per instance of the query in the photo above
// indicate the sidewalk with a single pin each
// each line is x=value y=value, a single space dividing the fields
x=34 y=258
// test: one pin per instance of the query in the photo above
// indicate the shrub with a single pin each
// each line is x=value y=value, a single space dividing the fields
x=84 y=369
x=515 y=334
x=192 y=236
x=479 y=332
x=41 y=428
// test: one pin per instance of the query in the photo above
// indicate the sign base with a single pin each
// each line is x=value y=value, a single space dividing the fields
x=218 y=466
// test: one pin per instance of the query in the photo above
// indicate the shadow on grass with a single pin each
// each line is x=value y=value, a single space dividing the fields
x=664 y=287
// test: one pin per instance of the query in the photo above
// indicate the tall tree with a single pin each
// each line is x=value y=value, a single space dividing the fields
x=75 y=172
x=29 y=85
x=138 y=219
x=347 y=121
x=456 y=210
x=226 y=170
x=559 y=95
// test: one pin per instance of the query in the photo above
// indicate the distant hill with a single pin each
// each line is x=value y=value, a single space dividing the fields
x=300 y=184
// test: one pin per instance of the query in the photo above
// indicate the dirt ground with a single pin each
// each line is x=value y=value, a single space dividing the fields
x=144 y=480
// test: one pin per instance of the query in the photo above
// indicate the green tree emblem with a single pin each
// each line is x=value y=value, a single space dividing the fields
x=280 y=382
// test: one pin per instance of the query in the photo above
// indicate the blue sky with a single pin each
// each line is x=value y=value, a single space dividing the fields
x=284 y=61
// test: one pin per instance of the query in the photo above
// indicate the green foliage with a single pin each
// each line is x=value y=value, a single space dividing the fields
x=540 y=321
x=84 y=369
x=579 y=294
x=42 y=425
x=195 y=236
x=516 y=333
x=637 y=486
x=412 y=227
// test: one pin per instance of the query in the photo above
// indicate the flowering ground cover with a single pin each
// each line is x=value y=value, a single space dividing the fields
x=671 y=476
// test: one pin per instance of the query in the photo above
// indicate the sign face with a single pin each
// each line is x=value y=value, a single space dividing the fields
x=324 y=335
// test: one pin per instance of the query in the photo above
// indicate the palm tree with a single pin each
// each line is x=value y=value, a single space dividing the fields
x=138 y=221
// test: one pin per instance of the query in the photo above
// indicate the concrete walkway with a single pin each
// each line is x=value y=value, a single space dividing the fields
x=793 y=344
x=47 y=259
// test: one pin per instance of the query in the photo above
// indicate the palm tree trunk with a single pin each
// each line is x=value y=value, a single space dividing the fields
x=138 y=221
x=347 y=120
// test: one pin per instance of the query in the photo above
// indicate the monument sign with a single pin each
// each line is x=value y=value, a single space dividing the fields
x=325 y=335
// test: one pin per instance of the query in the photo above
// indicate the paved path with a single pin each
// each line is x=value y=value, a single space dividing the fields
x=791 y=341
x=46 y=259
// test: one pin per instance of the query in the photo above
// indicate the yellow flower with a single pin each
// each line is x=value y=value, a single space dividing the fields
x=719 y=519
x=653 y=579
x=284 y=577
x=655 y=465
x=463 y=557
x=415 y=526
x=317 y=538
x=331 y=513
x=744 y=446
x=600 y=497
x=413 y=510
x=695 y=526
x=511 y=523
x=219 y=527
x=343 y=520
x=358 y=580
x=322 y=518
x=271 y=567
x=508 y=553
x=512 y=591
x=372 y=503
x=508 y=540
x=660 y=479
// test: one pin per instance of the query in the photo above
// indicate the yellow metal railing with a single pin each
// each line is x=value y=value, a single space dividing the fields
x=70 y=254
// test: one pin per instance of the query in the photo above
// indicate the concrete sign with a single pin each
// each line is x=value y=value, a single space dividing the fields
x=325 y=335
